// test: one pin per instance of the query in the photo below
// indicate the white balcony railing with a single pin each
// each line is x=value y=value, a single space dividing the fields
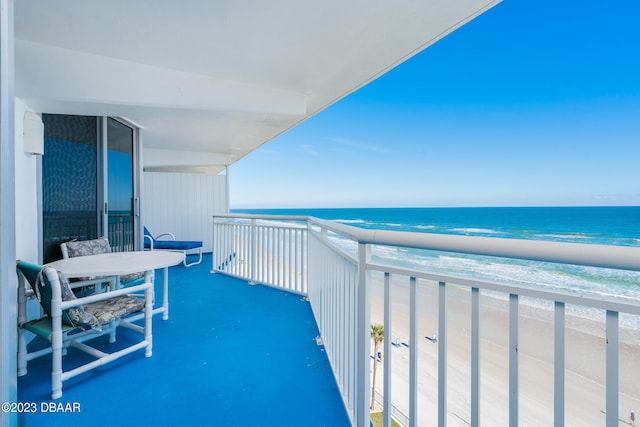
x=333 y=265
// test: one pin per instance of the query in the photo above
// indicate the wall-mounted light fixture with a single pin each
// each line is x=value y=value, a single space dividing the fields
x=33 y=134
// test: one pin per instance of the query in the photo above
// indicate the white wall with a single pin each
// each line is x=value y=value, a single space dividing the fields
x=27 y=196
x=27 y=247
x=182 y=204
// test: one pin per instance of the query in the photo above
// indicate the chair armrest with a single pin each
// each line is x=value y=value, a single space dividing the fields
x=166 y=234
x=64 y=250
x=150 y=239
x=104 y=296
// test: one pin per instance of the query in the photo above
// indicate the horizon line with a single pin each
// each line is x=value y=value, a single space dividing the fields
x=437 y=207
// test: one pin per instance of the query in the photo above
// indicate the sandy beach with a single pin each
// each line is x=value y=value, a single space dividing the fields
x=585 y=361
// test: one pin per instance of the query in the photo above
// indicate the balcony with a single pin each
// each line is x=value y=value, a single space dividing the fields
x=296 y=347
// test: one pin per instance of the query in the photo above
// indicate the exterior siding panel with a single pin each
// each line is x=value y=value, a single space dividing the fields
x=182 y=204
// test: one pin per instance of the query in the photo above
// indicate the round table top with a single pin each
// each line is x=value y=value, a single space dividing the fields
x=116 y=263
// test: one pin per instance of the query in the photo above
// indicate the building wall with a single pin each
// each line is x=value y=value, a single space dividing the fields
x=182 y=204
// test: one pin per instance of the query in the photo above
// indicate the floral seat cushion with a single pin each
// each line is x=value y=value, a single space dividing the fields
x=114 y=308
x=94 y=314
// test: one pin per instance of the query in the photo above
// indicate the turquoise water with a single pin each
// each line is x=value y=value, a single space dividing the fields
x=601 y=225
x=591 y=225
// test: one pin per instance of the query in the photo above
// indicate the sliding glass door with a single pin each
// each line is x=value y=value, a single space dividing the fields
x=121 y=200
x=89 y=182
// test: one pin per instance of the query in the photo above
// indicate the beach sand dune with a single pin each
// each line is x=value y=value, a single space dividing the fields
x=585 y=361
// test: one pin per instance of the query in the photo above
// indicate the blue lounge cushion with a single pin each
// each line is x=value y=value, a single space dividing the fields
x=179 y=245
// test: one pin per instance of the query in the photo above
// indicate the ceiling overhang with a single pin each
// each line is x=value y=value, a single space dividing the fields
x=211 y=82
x=167 y=160
x=102 y=84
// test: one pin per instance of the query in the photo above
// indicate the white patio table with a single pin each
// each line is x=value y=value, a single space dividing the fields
x=119 y=263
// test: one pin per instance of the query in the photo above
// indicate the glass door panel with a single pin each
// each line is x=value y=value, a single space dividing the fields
x=69 y=181
x=120 y=186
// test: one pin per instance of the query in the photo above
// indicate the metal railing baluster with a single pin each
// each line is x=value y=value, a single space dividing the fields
x=413 y=352
x=387 y=349
x=442 y=353
x=514 y=317
x=475 y=357
x=612 y=368
x=559 y=364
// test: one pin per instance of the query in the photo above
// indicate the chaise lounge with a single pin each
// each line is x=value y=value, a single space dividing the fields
x=188 y=247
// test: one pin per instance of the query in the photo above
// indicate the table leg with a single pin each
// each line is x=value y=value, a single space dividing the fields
x=148 y=278
x=165 y=293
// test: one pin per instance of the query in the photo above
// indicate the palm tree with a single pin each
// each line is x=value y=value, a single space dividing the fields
x=377 y=334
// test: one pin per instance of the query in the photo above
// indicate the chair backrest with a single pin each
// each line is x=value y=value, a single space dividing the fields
x=148 y=234
x=76 y=248
x=41 y=282
x=29 y=271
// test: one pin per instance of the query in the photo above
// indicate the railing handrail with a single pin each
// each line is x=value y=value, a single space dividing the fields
x=265 y=217
x=605 y=303
x=585 y=254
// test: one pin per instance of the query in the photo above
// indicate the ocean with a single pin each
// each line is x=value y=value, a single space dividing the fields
x=591 y=225
x=601 y=225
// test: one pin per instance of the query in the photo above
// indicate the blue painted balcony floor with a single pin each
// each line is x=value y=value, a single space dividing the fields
x=229 y=354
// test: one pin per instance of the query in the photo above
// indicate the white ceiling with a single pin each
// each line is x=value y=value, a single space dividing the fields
x=214 y=80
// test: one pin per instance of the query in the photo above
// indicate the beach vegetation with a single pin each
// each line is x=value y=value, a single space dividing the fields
x=377 y=334
x=377 y=419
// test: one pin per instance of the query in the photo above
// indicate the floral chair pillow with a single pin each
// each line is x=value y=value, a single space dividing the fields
x=79 y=317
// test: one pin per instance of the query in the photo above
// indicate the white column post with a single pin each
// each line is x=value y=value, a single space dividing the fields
x=514 y=317
x=475 y=357
x=559 y=364
x=226 y=184
x=413 y=352
x=363 y=338
x=253 y=242
x=442 y=354
x=612 y=369
x=8 y=278
x=214 y=248
x=387 y=349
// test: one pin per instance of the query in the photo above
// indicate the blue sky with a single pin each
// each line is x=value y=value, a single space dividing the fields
x=534 y=103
